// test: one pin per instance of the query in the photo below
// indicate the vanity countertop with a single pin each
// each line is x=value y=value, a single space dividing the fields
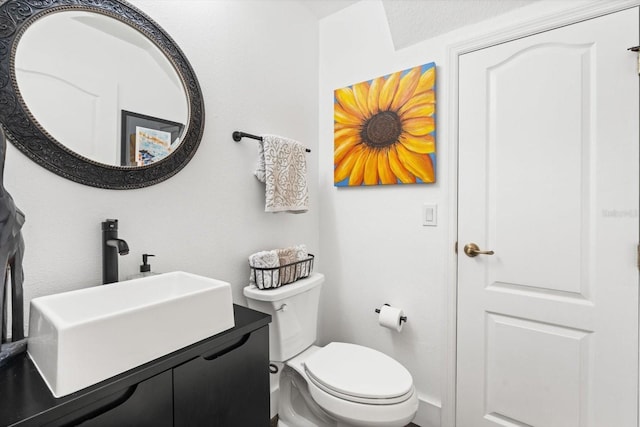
x=25 y=400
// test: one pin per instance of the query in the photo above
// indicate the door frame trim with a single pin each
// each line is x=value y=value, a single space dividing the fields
x=527 y=28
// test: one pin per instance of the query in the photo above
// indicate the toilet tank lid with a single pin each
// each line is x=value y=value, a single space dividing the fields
x=284 y=291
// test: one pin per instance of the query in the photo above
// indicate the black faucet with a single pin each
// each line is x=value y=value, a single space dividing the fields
x=111 y=248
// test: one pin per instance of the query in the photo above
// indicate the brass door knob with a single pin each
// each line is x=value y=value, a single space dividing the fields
x=473 y=250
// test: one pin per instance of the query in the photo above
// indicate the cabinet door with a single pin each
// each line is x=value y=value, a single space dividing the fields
x=227 y=386
x=147 y=404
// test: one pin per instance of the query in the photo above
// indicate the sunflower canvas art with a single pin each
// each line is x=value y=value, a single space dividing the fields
x=385 y=129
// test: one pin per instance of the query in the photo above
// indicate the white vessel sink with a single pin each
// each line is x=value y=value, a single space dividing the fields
x=79 y=338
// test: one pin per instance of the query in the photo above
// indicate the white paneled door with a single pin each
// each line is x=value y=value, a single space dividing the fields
x=548 y=181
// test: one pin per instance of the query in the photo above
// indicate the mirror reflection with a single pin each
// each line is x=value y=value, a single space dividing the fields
x=101 y=88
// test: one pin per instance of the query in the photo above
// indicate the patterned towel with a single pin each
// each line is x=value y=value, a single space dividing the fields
x=287 y=274
x=261 y=278
x=287 y=256
x=292 y=255
x=282 y=166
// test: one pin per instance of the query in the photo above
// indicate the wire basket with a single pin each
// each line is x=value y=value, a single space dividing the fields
x=274 y=277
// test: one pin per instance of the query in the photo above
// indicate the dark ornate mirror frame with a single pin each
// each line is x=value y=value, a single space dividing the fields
x=30 y=138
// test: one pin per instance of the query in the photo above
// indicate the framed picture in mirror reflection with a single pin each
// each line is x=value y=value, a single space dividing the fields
x=147 y=139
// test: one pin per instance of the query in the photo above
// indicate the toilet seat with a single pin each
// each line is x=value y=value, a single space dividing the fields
x=359 y=374
x=347 y=408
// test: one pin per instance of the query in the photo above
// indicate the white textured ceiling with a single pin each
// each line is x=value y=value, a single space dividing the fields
x=322 y=8
x=412 y=21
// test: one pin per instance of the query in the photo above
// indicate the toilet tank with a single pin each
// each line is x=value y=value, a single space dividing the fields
x=294 y=312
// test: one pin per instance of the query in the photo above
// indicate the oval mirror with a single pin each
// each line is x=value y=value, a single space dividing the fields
x=97 y=92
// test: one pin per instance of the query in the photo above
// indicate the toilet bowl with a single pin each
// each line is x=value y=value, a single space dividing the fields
x=340 y=384
x=358 y=386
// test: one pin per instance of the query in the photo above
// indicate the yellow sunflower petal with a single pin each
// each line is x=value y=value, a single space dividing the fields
x=338 y=134
x=344 y=168
x=419 y=126
x=418 y=144
x=419 y=165
x=398 y=169
x=358 y=171
x=374 y=95
x=388 y=91
x=339 y=126
x=384 y=170
x=343 y=144
x=427 y=80
x=371 y=169
x=361 y=94
x=341 y=116
x=427 y=97
x=347 y=100
x=420 y=110
x=406 y=88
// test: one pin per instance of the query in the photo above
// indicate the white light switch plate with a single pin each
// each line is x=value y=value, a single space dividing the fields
x=429 y=215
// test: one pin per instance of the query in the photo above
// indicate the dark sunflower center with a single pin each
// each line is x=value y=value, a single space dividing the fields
x=382 y=129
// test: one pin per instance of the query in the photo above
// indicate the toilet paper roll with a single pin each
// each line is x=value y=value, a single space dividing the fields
x=389 y=317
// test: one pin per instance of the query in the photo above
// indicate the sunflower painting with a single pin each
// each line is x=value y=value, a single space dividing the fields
x=385 y=129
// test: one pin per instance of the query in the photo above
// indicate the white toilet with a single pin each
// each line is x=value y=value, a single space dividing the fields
x=337 y=385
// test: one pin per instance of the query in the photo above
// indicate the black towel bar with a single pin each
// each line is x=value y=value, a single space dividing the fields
x=237 y=136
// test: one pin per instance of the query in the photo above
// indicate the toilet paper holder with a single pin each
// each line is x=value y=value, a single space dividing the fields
x=402 y=318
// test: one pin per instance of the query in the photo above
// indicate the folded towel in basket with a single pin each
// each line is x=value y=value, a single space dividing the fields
x=264 y=278
x=287 y=255
x=293 y=255
x=304 y=268
x=282 y=166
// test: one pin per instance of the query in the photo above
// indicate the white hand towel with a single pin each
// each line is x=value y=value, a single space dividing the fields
x=282 y=166
x=265 y=278
x=304 y=268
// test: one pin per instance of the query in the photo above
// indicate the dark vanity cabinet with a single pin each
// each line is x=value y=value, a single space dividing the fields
x=221 y=381
x=146 y=404
x=229 y=378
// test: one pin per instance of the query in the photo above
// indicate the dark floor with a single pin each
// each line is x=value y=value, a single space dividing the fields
x=274 y=423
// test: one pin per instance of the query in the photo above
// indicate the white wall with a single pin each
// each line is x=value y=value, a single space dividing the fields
x=257 y=67
x=374 y=247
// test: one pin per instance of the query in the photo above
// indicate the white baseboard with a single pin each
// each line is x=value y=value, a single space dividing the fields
x=428 y=413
